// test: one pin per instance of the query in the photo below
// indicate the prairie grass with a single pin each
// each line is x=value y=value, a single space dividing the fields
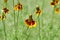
x=13 y=26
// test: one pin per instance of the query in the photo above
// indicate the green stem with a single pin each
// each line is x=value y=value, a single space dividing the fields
x=52 y=17
x=3 y=21
x=43 y=4
x=42 y=11
x=28 y=34
x=16 y=27
x=39 y=28
x=52 y=20
x=18 y=1
x=14 y=23
x=14 y=13
x=4 y=27
x=5 y=4
x=42 y=16
x=25 y=33
x=17 y=18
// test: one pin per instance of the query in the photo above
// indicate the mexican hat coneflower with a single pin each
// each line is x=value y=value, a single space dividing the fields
x=30 y=22
x=38 y=11
x=5 y=10
x=2 y=17
x=18 y=7
x=54 y=2
x=57 y=10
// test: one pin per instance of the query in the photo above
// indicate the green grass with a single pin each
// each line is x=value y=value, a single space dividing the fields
x=47 y=32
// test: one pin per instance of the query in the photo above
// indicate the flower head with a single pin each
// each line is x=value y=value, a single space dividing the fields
x=18 y=6
x=38 y=11
x=5 y=10
x=57 y=10
x=30 y=22
x=2 y=17
x=54 y=2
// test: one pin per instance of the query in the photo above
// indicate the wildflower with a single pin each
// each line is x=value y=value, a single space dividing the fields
x=30 y=22
x=54 y=2
x=18 y=7
x=57 y=10
x=5 y=10
x=2 y=17
x=38 y=11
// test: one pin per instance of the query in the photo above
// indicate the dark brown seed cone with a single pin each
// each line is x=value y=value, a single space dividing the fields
x=30 y=18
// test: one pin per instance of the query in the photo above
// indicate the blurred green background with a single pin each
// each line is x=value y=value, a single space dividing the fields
x=47 y=32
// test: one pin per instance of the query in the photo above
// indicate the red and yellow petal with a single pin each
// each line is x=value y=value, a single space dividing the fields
x=5 y=10
x=38 y=12
x=2 y=17
x=30 y=24
x=15 y=8
x=57 y=10
x=52 y=4
x=18 y=7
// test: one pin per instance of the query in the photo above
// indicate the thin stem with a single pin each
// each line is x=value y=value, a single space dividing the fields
x=42 y=11
x=52 y=19
x=43 y=4
x=14 y=23
x=39 y=27
x=41 y=19
x=14 y=13
x=3 y=21
x=5 y=4
x=18 y=1
x=25 y=32
x=28 y=34
x=17 y=18
x=4 y=27
x=16 y=27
